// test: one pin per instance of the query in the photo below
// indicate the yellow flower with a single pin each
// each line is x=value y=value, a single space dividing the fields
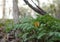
x=36 y=24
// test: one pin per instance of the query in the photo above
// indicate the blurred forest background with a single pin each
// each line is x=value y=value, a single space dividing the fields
x=50 y=6
x=20 y=22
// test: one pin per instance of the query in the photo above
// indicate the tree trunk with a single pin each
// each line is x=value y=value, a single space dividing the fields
x=36 y=9
x=3 y=17
x=15 y=11
x=57 y=13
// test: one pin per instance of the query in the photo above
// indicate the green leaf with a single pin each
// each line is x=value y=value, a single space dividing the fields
x=40 y=35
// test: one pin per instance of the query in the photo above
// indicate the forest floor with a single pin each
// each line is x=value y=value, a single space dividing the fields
x=8 y=37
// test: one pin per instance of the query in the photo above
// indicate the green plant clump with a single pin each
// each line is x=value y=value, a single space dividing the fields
x=9 y=25
x=43 y=28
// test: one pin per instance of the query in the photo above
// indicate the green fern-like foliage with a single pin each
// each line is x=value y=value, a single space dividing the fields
x=8 y=25
x=44 y=27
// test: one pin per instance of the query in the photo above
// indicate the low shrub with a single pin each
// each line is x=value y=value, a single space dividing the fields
x=44 y=28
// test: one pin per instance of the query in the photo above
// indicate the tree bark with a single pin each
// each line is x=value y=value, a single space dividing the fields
x=36 y=9
x=15 y=11
x=3 y=17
